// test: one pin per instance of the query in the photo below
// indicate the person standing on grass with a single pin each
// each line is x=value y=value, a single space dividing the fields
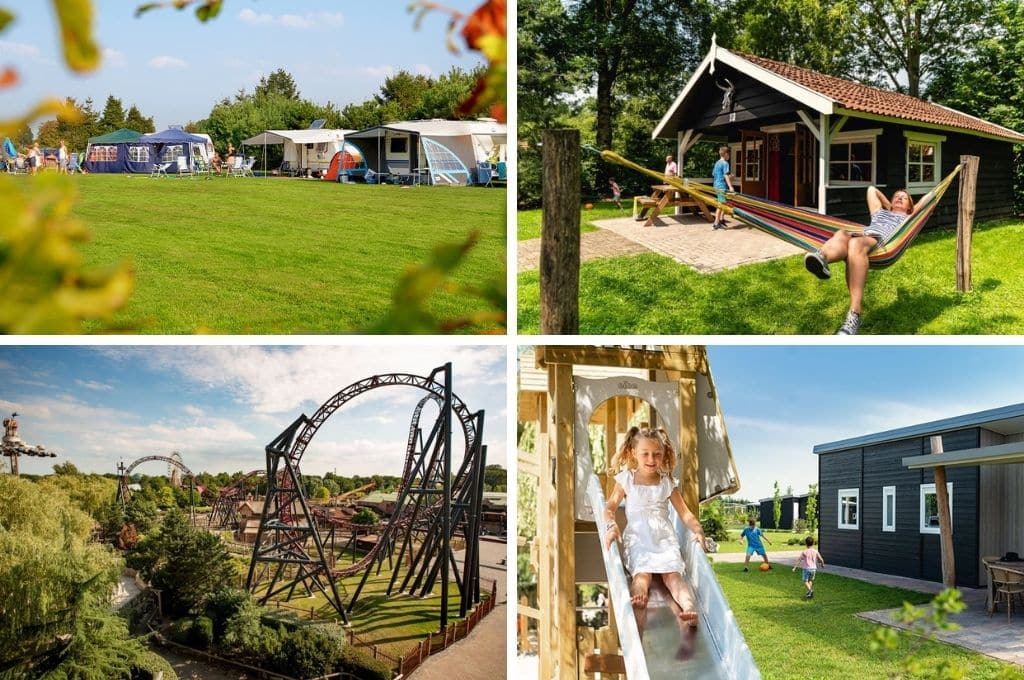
x=616 y=192
x=808 y=561
x=722 y=181
x=754 y=535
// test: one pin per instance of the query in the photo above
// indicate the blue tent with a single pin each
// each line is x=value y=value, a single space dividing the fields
x=119 y=151
x=172 y=143
x=9 y=147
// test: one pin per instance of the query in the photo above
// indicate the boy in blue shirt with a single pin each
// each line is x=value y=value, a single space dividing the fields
x=723 y=181
x=753 y=534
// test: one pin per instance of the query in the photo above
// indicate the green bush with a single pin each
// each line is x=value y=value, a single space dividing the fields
x=222 y=606
x=308 y=651
x=362 y=665
x=715 y=529
x=201 y=635
x=365 y=516
x=149 y=664
x=180 y=631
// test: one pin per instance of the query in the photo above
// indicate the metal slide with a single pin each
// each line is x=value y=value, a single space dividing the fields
x=716 y=652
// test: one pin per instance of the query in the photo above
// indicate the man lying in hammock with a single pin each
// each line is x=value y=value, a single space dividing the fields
x=886 y=219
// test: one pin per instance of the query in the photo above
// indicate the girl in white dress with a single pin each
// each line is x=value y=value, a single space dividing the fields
x=649 y=540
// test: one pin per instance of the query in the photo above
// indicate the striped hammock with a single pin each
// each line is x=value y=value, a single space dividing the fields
x=803 y=228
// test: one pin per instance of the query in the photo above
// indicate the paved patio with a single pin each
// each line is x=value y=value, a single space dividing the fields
x=686 y=239
x=979 y=632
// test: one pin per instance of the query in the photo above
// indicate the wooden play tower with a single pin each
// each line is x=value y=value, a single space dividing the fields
x=553 y=389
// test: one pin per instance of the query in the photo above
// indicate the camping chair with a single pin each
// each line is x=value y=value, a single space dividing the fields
x=20 y=166
x=73 y=165
x=236 y=169
x=247 y=168
x=1007 y=585
x=485 y=173
x=160 y=169
x=202 y=167
x=502 y=171
x=183 y=167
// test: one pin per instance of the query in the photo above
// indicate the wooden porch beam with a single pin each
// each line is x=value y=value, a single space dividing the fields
x=945 y=521
x=838 y=126
x=810 y=125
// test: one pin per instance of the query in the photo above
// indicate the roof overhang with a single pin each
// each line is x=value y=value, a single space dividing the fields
x=1000 y=454
x=805 y=96
x=1003 y=420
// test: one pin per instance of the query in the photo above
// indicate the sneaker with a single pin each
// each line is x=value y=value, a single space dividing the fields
x=745 y=569
x=817 y=264
x=851 y=325
x=809 y=595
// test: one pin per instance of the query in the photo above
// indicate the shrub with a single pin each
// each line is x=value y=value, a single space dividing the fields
x=800 y=526
x=201 y=635
x=224 y=604
x=365 y=516
x=148 y=665
x=308 y=651
x=245 y=634
x=714 y=528
x=180 y=631
x=362 y=665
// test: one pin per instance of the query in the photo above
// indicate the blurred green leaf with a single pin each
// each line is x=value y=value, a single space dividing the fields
x=80 y=50
x=209 y=10
x=5 y=18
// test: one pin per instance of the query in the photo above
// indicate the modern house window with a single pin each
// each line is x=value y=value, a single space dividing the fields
x=888 y=508
x=930 y=507
x=849 y=514
x=924 y=160
x=852 y=158
x=138 y=154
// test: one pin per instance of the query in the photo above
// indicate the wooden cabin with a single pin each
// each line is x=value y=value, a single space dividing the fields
x=815 y=141
x=878 y=503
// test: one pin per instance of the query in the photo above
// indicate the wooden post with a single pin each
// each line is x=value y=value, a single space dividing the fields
x=965 y=222
x=560 y=234
x=562 y=405
x=945 y=521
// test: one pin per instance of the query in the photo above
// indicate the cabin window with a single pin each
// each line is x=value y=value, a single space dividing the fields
x=930 y=507
x=849 y=514
x=924 y=160
x=399 y=145
x=102 y=153
x=752 y=163
x=138 y=154
x=888 y=508
x=171 y=152
x=852 y=158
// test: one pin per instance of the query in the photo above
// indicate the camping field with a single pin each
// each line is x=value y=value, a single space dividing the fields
x=258 y=256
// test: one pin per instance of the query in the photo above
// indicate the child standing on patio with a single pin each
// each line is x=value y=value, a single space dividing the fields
x=616 y=192
x=753 y=534
x=808 y=561
x=723 y=181
x=649 y=541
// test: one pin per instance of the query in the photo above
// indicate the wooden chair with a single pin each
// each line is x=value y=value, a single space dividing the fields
x=1007 y=585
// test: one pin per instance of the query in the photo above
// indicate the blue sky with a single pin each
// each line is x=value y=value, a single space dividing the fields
x=781 y=401
x=219 y=406
x=175 y=68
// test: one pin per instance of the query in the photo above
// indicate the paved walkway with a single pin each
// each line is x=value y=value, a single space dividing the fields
x=483 y=653
x=686 y=239
x=593 y=245
x=979 y=632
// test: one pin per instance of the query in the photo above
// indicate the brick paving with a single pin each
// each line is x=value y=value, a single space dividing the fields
x=979 y=632
x=686 y=239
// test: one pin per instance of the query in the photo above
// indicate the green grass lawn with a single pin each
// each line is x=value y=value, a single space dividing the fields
x=528 y=222
x=654 y=294
x=396 y=624
x=280 y=256
x=822 y=639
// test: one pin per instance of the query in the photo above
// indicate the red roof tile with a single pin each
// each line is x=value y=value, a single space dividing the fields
x=857 y=97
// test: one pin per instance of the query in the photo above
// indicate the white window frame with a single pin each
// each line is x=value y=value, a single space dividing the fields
x=848 y=493
x=922 y=138
x=930 y=489
x=888 y=523
x=171 y=152
x=138 y=154
x=856 y=137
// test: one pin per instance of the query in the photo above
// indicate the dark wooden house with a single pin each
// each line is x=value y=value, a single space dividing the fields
x=793 y=508
x=877 y=503
x=816 y=141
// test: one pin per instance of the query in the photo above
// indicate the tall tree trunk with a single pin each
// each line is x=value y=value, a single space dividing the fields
x=914 y=55
x=603 y=132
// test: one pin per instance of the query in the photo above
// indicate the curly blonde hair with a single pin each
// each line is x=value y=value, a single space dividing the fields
x=625 y=457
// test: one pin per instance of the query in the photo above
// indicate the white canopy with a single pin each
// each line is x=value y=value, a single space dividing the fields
x=270 y=137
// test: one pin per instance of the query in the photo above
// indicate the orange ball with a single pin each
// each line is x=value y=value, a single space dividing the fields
x=764 y=566
x=589 y=206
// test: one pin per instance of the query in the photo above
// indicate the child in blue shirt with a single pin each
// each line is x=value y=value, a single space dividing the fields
x=753 y=534
x=723 y=181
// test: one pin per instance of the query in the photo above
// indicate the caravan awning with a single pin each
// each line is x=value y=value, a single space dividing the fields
x=271 y=137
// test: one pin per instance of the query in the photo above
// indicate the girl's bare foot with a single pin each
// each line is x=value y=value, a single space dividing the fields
x=687 y=617
x=638 y=590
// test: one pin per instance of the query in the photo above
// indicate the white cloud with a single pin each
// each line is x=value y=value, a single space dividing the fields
x=9 y=48
x=112 y=57
x=94 y=385
x=165 y=61
x=301 y=22
x=377 y=72
x=423 y=70
x=193 y=410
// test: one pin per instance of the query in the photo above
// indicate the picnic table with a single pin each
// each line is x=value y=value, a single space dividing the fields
x=663 y=196
x=1015 y=567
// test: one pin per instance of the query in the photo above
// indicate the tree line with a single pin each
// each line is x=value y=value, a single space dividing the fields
x=612 y=69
